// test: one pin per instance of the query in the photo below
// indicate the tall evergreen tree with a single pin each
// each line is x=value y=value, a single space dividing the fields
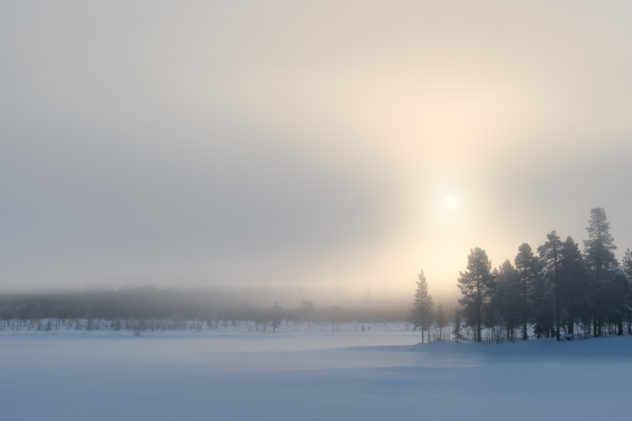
x=275 y=316
x=507 y=299
x=618 y=300
x=600 y=261
x=476 y=285
x=422 y=306
x=626 y=264
x=527 y=266
x=456 y=332
x=600 y=244
x=573 y=287
x=440 y=321
x=550 y=256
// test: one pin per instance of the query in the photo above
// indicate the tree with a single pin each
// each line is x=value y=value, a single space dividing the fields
x=275 y=316
x=600 y=261
x=626 y=264
x=507 y=299
x=573 y=288
x=306 y=310
x=526 y=265
x=440 y=321
x=600 y=244
x=422 y=306
x=456 y=332
x=335 y=316
x=551 y=255
x=476 y=285
x=618 y=299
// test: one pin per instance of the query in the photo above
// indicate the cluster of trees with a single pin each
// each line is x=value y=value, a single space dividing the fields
x=557 y=290
x=149 y=308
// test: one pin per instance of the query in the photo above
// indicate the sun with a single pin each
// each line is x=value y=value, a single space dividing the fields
x=449 y=202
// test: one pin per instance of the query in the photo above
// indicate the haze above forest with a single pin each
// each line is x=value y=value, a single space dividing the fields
x=287 y=145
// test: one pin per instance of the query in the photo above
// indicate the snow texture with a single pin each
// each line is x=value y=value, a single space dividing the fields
x=378 y=374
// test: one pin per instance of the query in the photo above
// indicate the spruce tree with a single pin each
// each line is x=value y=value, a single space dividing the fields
x=422 y=306
x=476 y=285
x=506 y=302
x=550 y=256
x=600 y=261
x=600 y=244
x=456 y=332
x=275 y=316
x=526 y=264
x=573 y=287
x=440 y=321
x=618 y=300
x=626 y=264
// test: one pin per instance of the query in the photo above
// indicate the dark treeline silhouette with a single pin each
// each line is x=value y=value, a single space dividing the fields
x=555 y=291
x=151 y=308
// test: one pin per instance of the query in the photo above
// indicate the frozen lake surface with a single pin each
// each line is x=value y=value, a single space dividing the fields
x=312 y=374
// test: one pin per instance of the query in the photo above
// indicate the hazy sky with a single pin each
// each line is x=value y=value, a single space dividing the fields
x=304 y=143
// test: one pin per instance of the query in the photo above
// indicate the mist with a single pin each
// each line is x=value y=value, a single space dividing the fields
x=285 y=145
x=336 y=209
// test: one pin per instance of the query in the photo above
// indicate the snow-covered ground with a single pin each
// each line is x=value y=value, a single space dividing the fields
x=309 y=374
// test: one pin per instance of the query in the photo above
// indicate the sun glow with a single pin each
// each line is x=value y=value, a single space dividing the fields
x=449 y=202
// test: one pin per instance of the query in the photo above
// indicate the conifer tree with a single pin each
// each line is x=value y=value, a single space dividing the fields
x=275 y=316
x=440 y=321
x=600 y=244
x=573 y=288
x=626 y=264
x=422 y=306
x=550 y=256
x=507 y=299
x=456 y=332
x=476 y=285
x=600 y=260
x=526 y=264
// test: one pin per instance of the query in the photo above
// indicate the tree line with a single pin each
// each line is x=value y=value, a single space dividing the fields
x=150 y=308
x=556 y=291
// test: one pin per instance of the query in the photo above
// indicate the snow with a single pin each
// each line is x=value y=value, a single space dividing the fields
x=307 y=374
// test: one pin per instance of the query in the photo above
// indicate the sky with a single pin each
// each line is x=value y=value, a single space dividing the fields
x=333 y=144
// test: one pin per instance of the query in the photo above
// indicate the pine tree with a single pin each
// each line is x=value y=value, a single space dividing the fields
x=422 y=306
x=275 y=316
x=476 y=285
x=573 y=288
x=626 y=264
x=440 y=321
x=506 y=302
x=307 y=310
x=526 y=264
x=551 y=255
x=456 y=332
x=618 y=299
x=600 y=244
x=600 y=261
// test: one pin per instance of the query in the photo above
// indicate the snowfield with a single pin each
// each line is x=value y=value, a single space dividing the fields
x=311 y=374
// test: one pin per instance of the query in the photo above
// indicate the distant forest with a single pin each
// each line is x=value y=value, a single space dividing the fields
x=150 y=308
x=557 y=291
